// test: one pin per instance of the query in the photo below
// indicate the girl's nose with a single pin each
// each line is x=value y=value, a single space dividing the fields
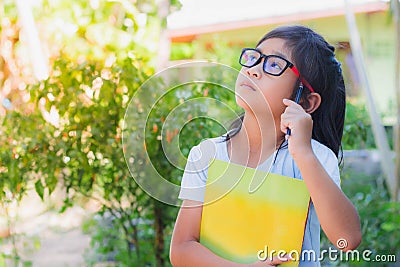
x=255 y=71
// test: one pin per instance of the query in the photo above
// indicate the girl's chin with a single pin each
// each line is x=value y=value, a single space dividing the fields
x=249 y=102
x=255 y=106
x=241 y=102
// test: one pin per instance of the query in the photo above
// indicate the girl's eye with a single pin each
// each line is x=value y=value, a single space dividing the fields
x=251 y=59
x=276 y=65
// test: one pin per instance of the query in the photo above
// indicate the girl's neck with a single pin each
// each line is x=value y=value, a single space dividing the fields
x=255 y=142
x=260 y=134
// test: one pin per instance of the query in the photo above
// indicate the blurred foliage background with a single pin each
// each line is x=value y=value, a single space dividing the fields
x=65 y=131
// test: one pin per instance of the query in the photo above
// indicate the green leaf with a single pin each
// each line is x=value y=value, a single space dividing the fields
x=389 y=226
x=39 y=189
x=51 y=183
x=2 y=260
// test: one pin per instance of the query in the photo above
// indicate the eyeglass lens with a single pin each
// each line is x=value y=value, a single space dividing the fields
x=272 y=64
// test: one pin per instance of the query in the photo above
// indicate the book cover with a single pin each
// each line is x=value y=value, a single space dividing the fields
x=239 y=220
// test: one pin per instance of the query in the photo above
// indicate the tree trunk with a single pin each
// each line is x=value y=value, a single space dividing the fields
x=164 y=48
x=38 y=60
x=396 y=15
x=162 y=62
x=159 y=231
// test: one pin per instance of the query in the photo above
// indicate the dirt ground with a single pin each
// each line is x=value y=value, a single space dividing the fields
x=44 y=236
x=61 y=249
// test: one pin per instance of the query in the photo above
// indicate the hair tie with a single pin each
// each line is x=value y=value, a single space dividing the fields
x=337 y=64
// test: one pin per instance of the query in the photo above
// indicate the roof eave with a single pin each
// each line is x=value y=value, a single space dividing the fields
x=186 y=35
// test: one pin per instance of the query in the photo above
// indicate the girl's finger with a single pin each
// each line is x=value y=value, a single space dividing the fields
x=285 y=123
x=291 y=110
x=289 y=102
x=278 y=260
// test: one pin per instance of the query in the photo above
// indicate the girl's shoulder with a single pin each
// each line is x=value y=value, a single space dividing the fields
x=328 y=160
x=322 y=151
x=209 y=148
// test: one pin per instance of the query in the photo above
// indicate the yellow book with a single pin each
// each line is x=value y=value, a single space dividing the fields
x=239 y=220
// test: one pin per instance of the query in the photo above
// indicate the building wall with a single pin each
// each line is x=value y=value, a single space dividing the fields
x=377 y=34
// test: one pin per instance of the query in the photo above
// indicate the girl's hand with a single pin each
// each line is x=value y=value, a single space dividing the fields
x=300 y=124
x=274 y=262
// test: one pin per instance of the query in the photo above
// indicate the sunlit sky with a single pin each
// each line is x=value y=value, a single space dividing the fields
x=206 y=12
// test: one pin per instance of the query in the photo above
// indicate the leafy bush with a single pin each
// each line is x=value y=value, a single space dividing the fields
x=357 y=129
x=380 y=218
x=69 y=131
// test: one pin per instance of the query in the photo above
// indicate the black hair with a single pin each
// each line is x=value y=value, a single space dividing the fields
x=315 y=59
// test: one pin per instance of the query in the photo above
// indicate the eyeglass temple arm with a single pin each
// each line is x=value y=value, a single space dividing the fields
x=296 y=71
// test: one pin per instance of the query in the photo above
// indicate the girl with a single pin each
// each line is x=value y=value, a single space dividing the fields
x=303 y=139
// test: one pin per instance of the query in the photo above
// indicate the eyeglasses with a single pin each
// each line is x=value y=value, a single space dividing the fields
x=273 y=64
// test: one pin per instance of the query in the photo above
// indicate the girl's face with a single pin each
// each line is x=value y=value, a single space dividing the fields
x=257 y=91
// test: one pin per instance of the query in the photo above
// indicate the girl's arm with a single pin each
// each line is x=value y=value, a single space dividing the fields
x=337 y=215
x=185 y=247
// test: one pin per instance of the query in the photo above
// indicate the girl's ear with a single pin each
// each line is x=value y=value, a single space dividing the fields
x=314 y=100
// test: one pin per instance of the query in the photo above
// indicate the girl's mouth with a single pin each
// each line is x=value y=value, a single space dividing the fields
x=248 y=86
